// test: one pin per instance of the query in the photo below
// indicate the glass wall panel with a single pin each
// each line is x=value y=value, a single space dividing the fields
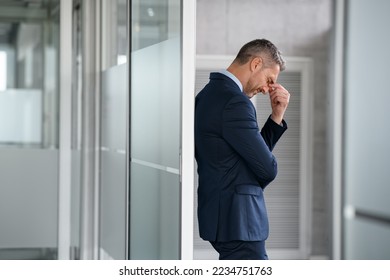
x=113 y=189
x=114 y=32
x=29 y=92
x=28 y=203
x=29 y=46
x=76 y=126
x=366 y=153
x=155 y=130
x=154 y=220
x=114 y=132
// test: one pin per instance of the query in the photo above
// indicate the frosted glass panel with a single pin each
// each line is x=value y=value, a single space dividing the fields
x=28 y=200
x=114 y=116
x=363 y=246
x=29 y=128
x=21 y=116
x=367 y=133
x=113 y=204
x=154 y=213
x=155 y=130
x=155 y=99
x=155 y=135
x=113 y=199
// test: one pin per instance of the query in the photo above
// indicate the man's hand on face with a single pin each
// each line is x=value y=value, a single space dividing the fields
x=279 y=98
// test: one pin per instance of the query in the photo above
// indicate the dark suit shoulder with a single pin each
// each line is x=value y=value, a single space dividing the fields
x=240 y=102
x=221 y=79
x=220 y=86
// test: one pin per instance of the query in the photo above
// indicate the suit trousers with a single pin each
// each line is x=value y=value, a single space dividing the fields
x=241 y=250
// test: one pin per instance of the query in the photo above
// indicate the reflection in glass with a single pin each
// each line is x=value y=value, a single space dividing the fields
x=121 y=32
x=113 y=140
x=114 y=32
x=29 y=44
x=3 y=70
x=154 y=21
x=29 y=74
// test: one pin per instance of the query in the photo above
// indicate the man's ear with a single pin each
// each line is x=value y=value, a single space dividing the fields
x=256 y=63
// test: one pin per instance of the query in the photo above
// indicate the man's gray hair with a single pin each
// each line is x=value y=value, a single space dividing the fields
x=261 y=47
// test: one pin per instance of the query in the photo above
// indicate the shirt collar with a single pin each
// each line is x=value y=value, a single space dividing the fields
x=231 y=76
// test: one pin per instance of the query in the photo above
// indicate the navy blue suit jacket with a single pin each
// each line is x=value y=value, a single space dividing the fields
x=235 y=163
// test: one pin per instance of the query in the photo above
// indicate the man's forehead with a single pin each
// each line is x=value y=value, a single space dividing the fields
x=273 y=72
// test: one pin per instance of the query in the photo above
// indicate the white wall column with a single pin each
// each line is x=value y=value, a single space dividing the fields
x=187 y=128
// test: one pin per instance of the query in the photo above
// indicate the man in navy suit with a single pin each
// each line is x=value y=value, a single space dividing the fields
x=235 y=160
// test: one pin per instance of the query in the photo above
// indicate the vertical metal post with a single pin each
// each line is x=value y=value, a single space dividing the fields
x=64 y=192
x=89 y=76
x=129 y=8
x=336 y=125
x=98 y=64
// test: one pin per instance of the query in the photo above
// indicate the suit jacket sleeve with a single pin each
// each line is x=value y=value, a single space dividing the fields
x=241 y=131
x=271 y=132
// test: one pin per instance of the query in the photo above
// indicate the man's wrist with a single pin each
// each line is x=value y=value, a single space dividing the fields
x=278 y=120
